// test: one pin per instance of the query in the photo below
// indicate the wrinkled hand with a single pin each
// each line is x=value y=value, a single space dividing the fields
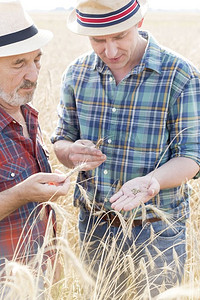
x=42 y=187
x=84 y=151
x=134 y=192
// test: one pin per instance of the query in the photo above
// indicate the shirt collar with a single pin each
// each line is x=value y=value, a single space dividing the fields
x=99 y=65
x=6 y=119
x=151 y=59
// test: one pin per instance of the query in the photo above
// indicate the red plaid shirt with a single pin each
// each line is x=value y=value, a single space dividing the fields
x=22 y=232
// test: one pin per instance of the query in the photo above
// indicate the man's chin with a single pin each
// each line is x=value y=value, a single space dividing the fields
x=18 y=101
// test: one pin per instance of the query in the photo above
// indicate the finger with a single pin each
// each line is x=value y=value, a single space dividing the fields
x=154 y=186
x=91 y=165
x=151 y=192
x=88 y=150
x=133 y=202
x=127 y=204
x=58 y=171
x=154 y=190
x=64 y=188
x=116 y=196
x=57 y=189
x=87 y=158
x=54 y=182
x=66 y=181
x=118 y=205
x=119 y=201
x=48 y=177
x=85 y=143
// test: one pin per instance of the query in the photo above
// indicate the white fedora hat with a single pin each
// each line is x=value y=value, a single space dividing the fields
x=102 y=17
x=18 y=34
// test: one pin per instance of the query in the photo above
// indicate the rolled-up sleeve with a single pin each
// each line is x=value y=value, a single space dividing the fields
x=184 y=122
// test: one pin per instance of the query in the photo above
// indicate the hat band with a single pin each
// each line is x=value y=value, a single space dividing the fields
x=109 y=19
x=18 y=36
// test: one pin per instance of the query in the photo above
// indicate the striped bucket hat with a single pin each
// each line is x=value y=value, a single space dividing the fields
x=102 y=17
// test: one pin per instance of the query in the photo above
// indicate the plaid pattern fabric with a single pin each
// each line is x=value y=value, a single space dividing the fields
x=151 y=116
x=22 y=232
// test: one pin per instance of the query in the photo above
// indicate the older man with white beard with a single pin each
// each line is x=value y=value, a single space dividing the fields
x=25 y=174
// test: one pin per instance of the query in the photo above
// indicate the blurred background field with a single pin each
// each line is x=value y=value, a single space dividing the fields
x=179 y=31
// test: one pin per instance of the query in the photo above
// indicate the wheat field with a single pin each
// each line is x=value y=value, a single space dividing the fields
x=179 y=31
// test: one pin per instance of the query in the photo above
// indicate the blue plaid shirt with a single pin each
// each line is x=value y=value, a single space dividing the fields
x=152 y=113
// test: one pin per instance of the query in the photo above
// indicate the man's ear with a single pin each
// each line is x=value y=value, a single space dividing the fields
x=140 y=23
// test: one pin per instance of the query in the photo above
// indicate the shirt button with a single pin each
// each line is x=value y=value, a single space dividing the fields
x=105 y=172
x=14 y=121
x=12 y=175
x=110 y=79
x=114 y=109
x=109 y=141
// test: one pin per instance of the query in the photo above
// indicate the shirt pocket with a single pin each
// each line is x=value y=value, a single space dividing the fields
x=12 y=172
x=150 y=131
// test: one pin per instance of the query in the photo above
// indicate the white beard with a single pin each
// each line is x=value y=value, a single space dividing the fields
x=14 y=99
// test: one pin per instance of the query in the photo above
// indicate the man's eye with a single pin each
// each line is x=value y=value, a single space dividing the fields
x=38 y=62
x=120 y=37
x=99 y=41
x=18 y=66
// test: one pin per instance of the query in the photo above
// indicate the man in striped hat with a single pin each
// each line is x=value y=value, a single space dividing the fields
x=141 y=101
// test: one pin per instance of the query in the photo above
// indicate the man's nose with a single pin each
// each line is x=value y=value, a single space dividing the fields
x=32 y=73
x=111 y=49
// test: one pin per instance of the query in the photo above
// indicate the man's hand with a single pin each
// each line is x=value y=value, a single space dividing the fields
x=134 y=192
x=42 y=187
x=72 y=154
x=84 y=151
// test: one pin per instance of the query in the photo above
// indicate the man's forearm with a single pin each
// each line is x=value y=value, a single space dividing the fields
x=175 y=172
x=9 y=201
